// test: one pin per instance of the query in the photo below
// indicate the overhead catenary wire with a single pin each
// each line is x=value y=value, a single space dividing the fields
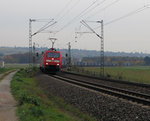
x=41 y=20
x=84 y=12
x=47 y=24
x=51 y=20
x=102 y=9
x=94 y=7
x=69 y=10
x=45 y=20
x=43 y=28
x=63 y=9
x=72 y=20
x=109 y=22
x=85 y=24
x=117 y=19
x=127 y=15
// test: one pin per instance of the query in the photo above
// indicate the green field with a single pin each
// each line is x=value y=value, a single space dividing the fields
x=16 y=65
x=135 y=74
x=9 y=67
x=3 y=70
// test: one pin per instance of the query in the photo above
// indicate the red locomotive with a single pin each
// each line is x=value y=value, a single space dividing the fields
x=50 y=61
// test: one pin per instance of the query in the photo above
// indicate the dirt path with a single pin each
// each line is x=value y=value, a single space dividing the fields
x=7 y=102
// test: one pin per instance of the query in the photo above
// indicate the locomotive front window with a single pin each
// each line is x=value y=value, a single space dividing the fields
x=52 y=55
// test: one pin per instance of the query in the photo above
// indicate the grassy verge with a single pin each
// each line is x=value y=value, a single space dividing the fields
x=6 y=73
x=34 y=105
x=16 y=65
x=3 y=70
x=133 y=74
x=11 y=67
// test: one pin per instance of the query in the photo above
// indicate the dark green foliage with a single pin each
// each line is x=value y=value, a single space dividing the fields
x=108 y=75
x=36 y=111
x=114 y=61
x=2 y=70
x=147 y=60
x=24 y=97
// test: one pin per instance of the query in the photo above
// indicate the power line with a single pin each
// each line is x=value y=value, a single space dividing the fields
x=85 y=24
x=63 y=9
x=43 y=28
x=47 y=24
x=66 y=12
x=127 y=15
x=41 y=20
x=72 y=20
x=69 y=10
x=101 y=36
x=31 y=57
x=94 y=7
x=102 y=9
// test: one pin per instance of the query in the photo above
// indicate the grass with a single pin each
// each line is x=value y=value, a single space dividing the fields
x=140 y=74
x=34 y=105
x=3 y=70
x=9 y=67
x=18 y=66
x=134 y=74
x=2 y=76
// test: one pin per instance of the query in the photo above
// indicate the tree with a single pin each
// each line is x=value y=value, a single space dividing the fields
x=1 y=54
x=147 y=60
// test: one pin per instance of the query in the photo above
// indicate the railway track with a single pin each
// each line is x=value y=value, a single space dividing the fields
x=139 y=98
x=109 y=80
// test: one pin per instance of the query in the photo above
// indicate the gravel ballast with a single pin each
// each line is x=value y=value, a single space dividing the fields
x=103 y=107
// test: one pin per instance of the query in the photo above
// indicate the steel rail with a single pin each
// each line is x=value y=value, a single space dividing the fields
x=117 y=92
x=110 y=80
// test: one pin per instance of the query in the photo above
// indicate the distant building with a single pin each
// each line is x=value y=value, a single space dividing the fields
x=2 y=64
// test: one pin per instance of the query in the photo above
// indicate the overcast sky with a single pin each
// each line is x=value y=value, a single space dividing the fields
x=129 y=34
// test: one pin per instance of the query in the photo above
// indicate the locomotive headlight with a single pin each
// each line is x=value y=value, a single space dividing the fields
x=58 y=64
x=46 y=63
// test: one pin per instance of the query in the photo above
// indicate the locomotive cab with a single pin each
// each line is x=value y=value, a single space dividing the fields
x=51 y=61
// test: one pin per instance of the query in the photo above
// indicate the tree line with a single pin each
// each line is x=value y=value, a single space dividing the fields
x=118 y=61
x=109 y=60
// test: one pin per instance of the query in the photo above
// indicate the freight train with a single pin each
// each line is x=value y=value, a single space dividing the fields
x=50 y=61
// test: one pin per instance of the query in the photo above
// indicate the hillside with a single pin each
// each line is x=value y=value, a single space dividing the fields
x=74 y=52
